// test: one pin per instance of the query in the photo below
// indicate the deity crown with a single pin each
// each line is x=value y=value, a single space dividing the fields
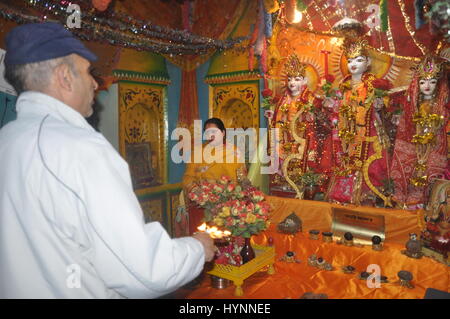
x=355 y=49
x=294 y=67
x=429 y=68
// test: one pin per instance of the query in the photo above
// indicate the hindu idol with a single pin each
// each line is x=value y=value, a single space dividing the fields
x=361 y=167
x=298 y=144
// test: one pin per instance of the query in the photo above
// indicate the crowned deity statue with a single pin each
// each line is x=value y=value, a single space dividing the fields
x=420 y=152
x=298 y=145
x=361 y=165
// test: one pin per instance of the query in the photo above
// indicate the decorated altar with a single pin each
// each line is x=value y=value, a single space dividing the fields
x=356 y=94
x=294 y=277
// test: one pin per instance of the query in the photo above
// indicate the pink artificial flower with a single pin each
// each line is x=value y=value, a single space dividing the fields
x=231 y=187
x=225 y=179
x=222 y=259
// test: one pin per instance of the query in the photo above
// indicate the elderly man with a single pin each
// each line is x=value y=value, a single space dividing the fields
x=70 y=224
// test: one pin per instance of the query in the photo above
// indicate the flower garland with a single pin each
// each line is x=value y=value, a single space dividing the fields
x=428 y=125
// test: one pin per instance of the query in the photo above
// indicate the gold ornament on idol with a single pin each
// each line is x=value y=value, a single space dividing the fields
x=428 y=123
x=429 y=68
x=355 y=49
x=293 y=67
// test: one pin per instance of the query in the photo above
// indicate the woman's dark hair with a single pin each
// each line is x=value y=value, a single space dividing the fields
x=217 y=122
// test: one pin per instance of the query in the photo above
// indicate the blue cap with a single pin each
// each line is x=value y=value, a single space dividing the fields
x=35 y=42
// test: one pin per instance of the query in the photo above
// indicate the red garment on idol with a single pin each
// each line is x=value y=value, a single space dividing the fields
x=405 y=157
x=317 y=154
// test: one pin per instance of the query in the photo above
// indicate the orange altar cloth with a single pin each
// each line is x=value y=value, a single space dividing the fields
x=292 y=280
x=318 y=215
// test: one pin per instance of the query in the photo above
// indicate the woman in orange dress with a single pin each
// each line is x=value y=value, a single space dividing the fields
x=219 y=158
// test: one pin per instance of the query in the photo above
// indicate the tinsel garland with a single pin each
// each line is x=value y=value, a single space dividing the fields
x=122 y=30
x=261 y=38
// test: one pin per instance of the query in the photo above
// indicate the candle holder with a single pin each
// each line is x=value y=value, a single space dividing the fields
x=314 y=234
x=377 y=245
x=348 y=239
x=327 y=237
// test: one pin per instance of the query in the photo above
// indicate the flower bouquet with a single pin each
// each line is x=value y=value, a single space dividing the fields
x=228 y=205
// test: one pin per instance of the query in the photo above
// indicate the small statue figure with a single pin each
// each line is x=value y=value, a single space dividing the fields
x=290 y=225
x=413 y=247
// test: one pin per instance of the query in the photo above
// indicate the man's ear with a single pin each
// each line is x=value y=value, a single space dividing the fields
x=64 y=76
x=369 y=61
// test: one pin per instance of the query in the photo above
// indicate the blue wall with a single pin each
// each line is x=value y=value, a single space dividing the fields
x=176 y=171
x=7 y=108
x=203 y=91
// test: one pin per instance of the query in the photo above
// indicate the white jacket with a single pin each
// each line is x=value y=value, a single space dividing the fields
x=70 y=224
